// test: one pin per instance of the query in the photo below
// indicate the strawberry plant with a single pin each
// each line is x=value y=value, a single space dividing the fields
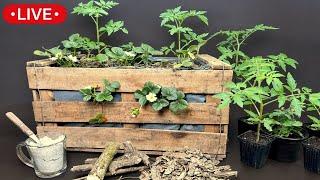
x=92 y=94
x=160 y=98
x=188 y=42
x=62 y=57
x=265 y=82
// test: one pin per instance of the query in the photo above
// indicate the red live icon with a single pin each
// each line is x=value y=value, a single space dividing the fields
x=34 y=14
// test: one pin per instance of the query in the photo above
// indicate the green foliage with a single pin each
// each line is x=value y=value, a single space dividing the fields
x=113 y=27
x=284 y=123
x=98 y=119
x=95 y=10
x=188 y=42
x=313 y=108
x=76 y=43
x=128 y=54
x=105 y=95
x=60 y=56
x=265 y=82
x=144 y=52
x=119 y=56
x=161 y=97
x=231 y=47
x=135 y=112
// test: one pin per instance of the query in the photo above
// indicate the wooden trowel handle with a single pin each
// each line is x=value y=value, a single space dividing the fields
x=19 y=123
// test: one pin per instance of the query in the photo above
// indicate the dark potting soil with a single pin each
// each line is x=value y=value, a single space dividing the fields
x=313 y=142
x=251 y=137
x=198 y=64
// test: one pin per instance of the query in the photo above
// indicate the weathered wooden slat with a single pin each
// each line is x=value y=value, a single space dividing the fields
x=46 y=95
x=160 y=140
x=35 y=95
x=189 y=81
x=156 y=153
x=128 y=97
x=59 y=111
x=40 y=63
x=214 y=62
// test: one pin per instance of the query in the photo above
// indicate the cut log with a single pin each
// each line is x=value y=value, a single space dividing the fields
x=98 y=170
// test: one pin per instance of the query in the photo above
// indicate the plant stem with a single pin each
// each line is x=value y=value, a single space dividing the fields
x=238 y=49
x=97 y=32
x=258 y=132
x=260 y=116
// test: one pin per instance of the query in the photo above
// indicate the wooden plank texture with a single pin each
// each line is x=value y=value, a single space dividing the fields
x=189 y=81
x=59 y=111
x=156 y=153
x=214 y=62
x=160 y=140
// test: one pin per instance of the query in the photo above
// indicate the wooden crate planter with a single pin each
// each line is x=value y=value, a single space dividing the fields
x=51 y=115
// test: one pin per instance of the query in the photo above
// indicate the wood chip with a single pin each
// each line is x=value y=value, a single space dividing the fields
x=188 y=164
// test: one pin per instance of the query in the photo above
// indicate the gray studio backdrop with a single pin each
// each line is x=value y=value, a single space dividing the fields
x=298 y=37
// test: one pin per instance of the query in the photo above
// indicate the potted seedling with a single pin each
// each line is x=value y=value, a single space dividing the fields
x=313 y=108
x=311 y=146
x=231 y=52
x=263 y=85
x=188 y=43
x=289 y=133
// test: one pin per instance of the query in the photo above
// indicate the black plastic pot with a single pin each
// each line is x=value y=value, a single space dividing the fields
x=254 y=154
x=286 y=149
x=313 y=132
x=244 y=126
x=311 y=155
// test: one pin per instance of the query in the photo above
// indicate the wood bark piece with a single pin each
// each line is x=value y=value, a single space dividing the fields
x=131 y=157
x=121 y=171
x=188 y=164
x=98 y=170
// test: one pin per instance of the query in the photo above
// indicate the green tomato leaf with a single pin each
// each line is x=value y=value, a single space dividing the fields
x=291 y=82
x=281 y=100
x=296 y=106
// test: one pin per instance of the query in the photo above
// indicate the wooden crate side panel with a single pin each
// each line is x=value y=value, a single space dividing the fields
x=59 y=111
x=160 y=140
x=189 y=81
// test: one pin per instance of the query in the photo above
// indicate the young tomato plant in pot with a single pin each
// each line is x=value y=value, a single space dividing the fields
x=311 y=146
x=188 y=42
x=230 y=49
x=313 y=109
x=289 y=133
x=261 y=87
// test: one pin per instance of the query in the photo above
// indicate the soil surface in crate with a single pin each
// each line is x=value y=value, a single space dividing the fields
x=198 y=64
